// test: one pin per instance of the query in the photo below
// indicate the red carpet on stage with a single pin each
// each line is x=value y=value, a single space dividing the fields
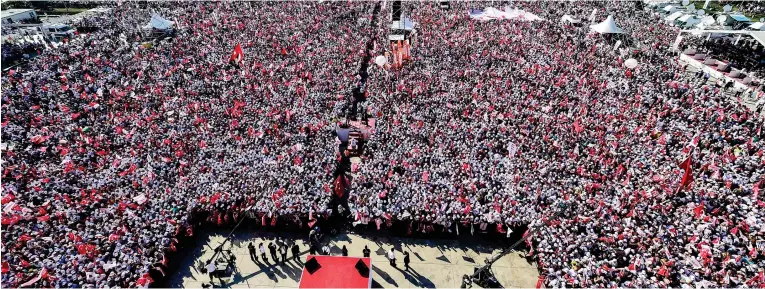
x=337 y=272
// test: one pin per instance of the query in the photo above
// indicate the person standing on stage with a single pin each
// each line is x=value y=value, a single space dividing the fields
x=272 y=250
x=253 y=252
x=211 y=270
x=392 y=257
x=406 y=260
x=263 y=252
x=283 y=251
x=295 y=251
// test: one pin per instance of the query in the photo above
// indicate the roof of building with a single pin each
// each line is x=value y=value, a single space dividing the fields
x=739 y=17
x=11 y=12
x=75 y=17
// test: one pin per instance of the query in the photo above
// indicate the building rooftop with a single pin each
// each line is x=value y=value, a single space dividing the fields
x=11 y=12
x=75 y=17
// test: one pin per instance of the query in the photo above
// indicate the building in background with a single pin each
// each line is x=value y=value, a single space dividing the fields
x=12 y=16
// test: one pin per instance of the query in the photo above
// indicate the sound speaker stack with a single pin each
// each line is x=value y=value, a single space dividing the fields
x=312 y=265
x=362 y=268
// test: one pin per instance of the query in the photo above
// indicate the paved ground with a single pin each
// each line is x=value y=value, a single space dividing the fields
x=434 y=263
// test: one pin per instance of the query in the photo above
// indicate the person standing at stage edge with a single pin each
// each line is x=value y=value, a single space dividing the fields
x=345 y=251
x=283 y=252
x=392 y=257
x=406 y=260
x=253 y=252
x=211 y=270
x=366 y=251
x=263 y=252
x=295 y=251
x=272 y=250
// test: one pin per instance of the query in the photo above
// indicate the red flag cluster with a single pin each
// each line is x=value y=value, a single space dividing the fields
x=400 y=53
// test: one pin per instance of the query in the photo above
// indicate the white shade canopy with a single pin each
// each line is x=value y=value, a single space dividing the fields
x=491 y=13
x=568 y=18
x=674 y=16
x=607 y=26
x=157 y=22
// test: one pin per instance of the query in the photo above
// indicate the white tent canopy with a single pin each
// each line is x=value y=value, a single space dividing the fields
x=671 y=8
x=689 y=20
x=606 y=27
x=157 y=22
x=757 y=26
x=759 y=36
x=568 y=18
x=491 y=13
x=674 y=16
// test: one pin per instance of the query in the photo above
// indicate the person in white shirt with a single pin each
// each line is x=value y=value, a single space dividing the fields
x=211 y=270
x=392 y=257
x=263 y=252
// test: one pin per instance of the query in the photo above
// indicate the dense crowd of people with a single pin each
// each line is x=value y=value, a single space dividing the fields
x=12 y=53
x=505 y=122
x=111 y=144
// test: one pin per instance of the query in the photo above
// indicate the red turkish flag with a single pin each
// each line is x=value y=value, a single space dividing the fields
x=688 y=175
x=697 y=211
x=339 y=184
x=238 y=54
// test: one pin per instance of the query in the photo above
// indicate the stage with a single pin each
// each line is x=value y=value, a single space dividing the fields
x=336 y=272
x=434 y=263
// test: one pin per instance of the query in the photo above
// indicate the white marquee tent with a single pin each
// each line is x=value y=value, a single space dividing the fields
x=674 y=16
x=568 y=18
x=606 y=27
x=157 y=22
x=491 y=13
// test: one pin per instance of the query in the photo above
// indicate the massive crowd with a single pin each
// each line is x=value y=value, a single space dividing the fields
x=111 y=145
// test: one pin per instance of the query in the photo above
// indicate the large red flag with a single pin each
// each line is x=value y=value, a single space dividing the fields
x=698 y=211
x=688 y=175
x=340 y=183
x=238 y=55
x=540 y=282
